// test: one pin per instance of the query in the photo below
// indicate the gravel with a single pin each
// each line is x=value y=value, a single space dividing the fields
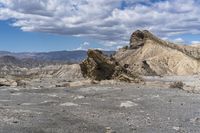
x=125 y=108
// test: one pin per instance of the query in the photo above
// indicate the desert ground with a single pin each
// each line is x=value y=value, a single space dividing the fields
x=107 y=107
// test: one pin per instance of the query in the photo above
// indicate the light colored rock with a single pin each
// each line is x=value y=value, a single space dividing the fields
x=128 y=104
x=110 y=130
x=69 y=104
x=7 y=82
x=78 y=97
x=176 y=128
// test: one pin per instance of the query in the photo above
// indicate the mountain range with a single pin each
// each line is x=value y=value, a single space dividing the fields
x=54 y=56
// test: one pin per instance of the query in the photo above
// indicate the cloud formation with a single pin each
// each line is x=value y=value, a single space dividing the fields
x=179 y=41
x=109 y=21
x=195 y=42
x=84 y=46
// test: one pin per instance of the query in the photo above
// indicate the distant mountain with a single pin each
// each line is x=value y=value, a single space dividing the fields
x=12 y=61
x=3 y=53
x=55 y=56
x=10 y=65
x=61 y=56
x=9 y=60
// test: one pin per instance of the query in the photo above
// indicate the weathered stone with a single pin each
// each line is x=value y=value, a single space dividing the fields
x=101 y=67
x=137 y=39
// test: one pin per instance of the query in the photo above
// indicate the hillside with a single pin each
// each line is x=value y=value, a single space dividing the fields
x=149 y=55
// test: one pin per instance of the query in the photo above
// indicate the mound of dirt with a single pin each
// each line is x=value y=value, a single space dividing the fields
x=67 y=72
x=149 y=55
x=7 y=82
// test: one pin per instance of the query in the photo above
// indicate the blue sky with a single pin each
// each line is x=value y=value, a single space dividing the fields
x=15 y=40
x=53 y=25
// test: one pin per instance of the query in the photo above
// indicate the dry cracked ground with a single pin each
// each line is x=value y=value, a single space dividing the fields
x=121 y=108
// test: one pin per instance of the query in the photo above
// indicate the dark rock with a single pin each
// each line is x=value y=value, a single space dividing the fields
x=15 y=122
x=137 y=39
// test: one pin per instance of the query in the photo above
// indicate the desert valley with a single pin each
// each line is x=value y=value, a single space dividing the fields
x=149 y=86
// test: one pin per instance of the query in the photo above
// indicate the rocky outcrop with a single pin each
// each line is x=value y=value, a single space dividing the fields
x=137 y=39
x=149 y=55
x=101 y=67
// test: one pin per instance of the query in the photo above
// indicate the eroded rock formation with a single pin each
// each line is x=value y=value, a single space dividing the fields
x=146 y=55
x=149 y=55
x=101 y=67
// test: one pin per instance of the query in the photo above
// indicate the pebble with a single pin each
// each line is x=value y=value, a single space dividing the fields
x=109 y=130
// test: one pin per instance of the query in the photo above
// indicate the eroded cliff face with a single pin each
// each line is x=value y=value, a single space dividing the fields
x=140 y=38
x=149 y=55
x=101 y=67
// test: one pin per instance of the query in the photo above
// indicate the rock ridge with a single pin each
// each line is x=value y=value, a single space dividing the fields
x=98 y=66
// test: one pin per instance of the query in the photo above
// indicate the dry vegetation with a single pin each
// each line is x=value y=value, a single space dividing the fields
x=177 y=84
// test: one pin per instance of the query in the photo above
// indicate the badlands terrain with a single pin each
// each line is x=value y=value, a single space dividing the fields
x=150 y=86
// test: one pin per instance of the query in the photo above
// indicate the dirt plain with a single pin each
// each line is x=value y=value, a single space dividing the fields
x=152 y=107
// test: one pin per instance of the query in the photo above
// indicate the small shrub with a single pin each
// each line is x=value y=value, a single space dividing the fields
x=21 y=83
x=63 y=85
x=177 y=84
x=125 y=47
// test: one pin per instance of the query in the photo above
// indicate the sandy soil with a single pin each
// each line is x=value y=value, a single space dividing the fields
x=120 y=108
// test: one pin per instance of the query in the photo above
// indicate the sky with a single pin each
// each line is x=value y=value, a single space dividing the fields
x=54 y=25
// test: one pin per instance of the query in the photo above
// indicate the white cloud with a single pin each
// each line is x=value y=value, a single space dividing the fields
x=165 y=38
x=179 y=41
x=103 y=20
x=195 y=42
x=84 y=46
x=118 y=47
